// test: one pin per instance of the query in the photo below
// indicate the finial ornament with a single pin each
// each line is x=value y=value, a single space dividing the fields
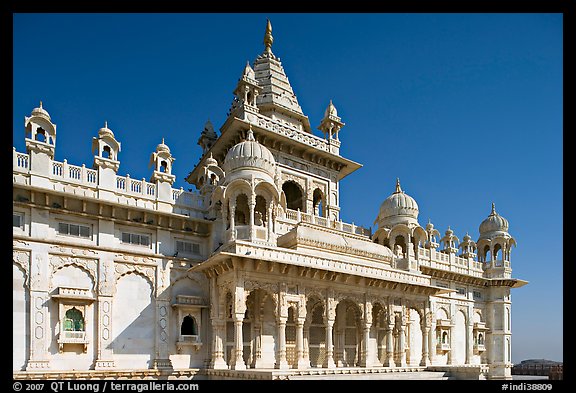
x=105 y=123
x=163 y=140
x=398 y=188
x=268 y=39
x=250 y=134
x=493 y=212
x=40 y=104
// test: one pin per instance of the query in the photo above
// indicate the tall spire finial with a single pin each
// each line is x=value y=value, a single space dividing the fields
x=40 y=104
x=493 y=212
x=398 y=188
x=268 y=39
x=105 y=123
x=163 y=141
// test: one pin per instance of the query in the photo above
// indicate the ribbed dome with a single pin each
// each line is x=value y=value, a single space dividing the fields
x=494 y=224
x=398 y=207
x=250 y=155
x=41 y=112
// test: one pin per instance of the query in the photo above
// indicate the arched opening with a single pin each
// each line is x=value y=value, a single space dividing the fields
x=347 y=330
x=260 y=211
x=290 y=333
x=445 y=338
x=480 y=339
x=107 y=152
x=41 y=135
x=163 y=166
x=242 y=212
x=399 y=246
x=379 y=331
x=497 y=252
x=318 y=203
x=486 y=254
x=414 y=348
x=294 y=198
x=189 y=326
x=317 y=336
x=73 y=320
x=213 y=179
x=249 y=97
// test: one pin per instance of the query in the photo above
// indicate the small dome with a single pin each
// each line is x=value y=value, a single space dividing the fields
x=105 y=131
x=331 y=110
x=249 y=72
x=41 y=112
x=493 y=225
x=466 y=238
x=398 y=207
x=211 y=161
x=162 y=147
x=429 y=226
x=250 y=155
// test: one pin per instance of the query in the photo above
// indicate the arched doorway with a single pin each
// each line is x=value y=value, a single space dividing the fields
x=294 y=196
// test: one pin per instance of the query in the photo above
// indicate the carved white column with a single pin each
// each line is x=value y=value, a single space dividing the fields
x=425 y=345
x=238 y=352
x=469 y=342
x=162 y=360
x=402 y=343
x=251 y=208
x=366 y=353
x=39 y=299
x=232 y=221
x=106 y=289
x=306 y=341
x=301 y=359
x=281 y=362
x=217 y=361
x=329 y=360
x=269 y=223
x=389 y=362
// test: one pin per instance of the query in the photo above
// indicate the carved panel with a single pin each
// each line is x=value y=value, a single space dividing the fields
x=22 y=259
x=126 y=268
x=57 y=262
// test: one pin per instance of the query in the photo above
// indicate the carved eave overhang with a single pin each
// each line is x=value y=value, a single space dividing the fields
x=224 y=262
x=506 y=282
x=232 y=133
x=453 y=276
x=473 y=280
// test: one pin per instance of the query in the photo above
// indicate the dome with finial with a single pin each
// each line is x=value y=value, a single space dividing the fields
x=331 y=110
x=162 y=147
x=211 y=160
x=105 y=131
x=248 y=71
x=398 y=208
x=250 y=157
x=494 y=225
x=40 y=111
x=466 y=238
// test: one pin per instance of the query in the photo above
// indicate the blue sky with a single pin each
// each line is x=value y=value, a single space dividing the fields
x=466 y=109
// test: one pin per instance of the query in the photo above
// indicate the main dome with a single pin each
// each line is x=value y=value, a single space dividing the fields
x=398 y=207
x=250 y=157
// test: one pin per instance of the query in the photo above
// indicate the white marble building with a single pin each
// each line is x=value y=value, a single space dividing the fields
x=114 y=276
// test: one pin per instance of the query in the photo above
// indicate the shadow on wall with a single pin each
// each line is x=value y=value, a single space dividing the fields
x=133 y=318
